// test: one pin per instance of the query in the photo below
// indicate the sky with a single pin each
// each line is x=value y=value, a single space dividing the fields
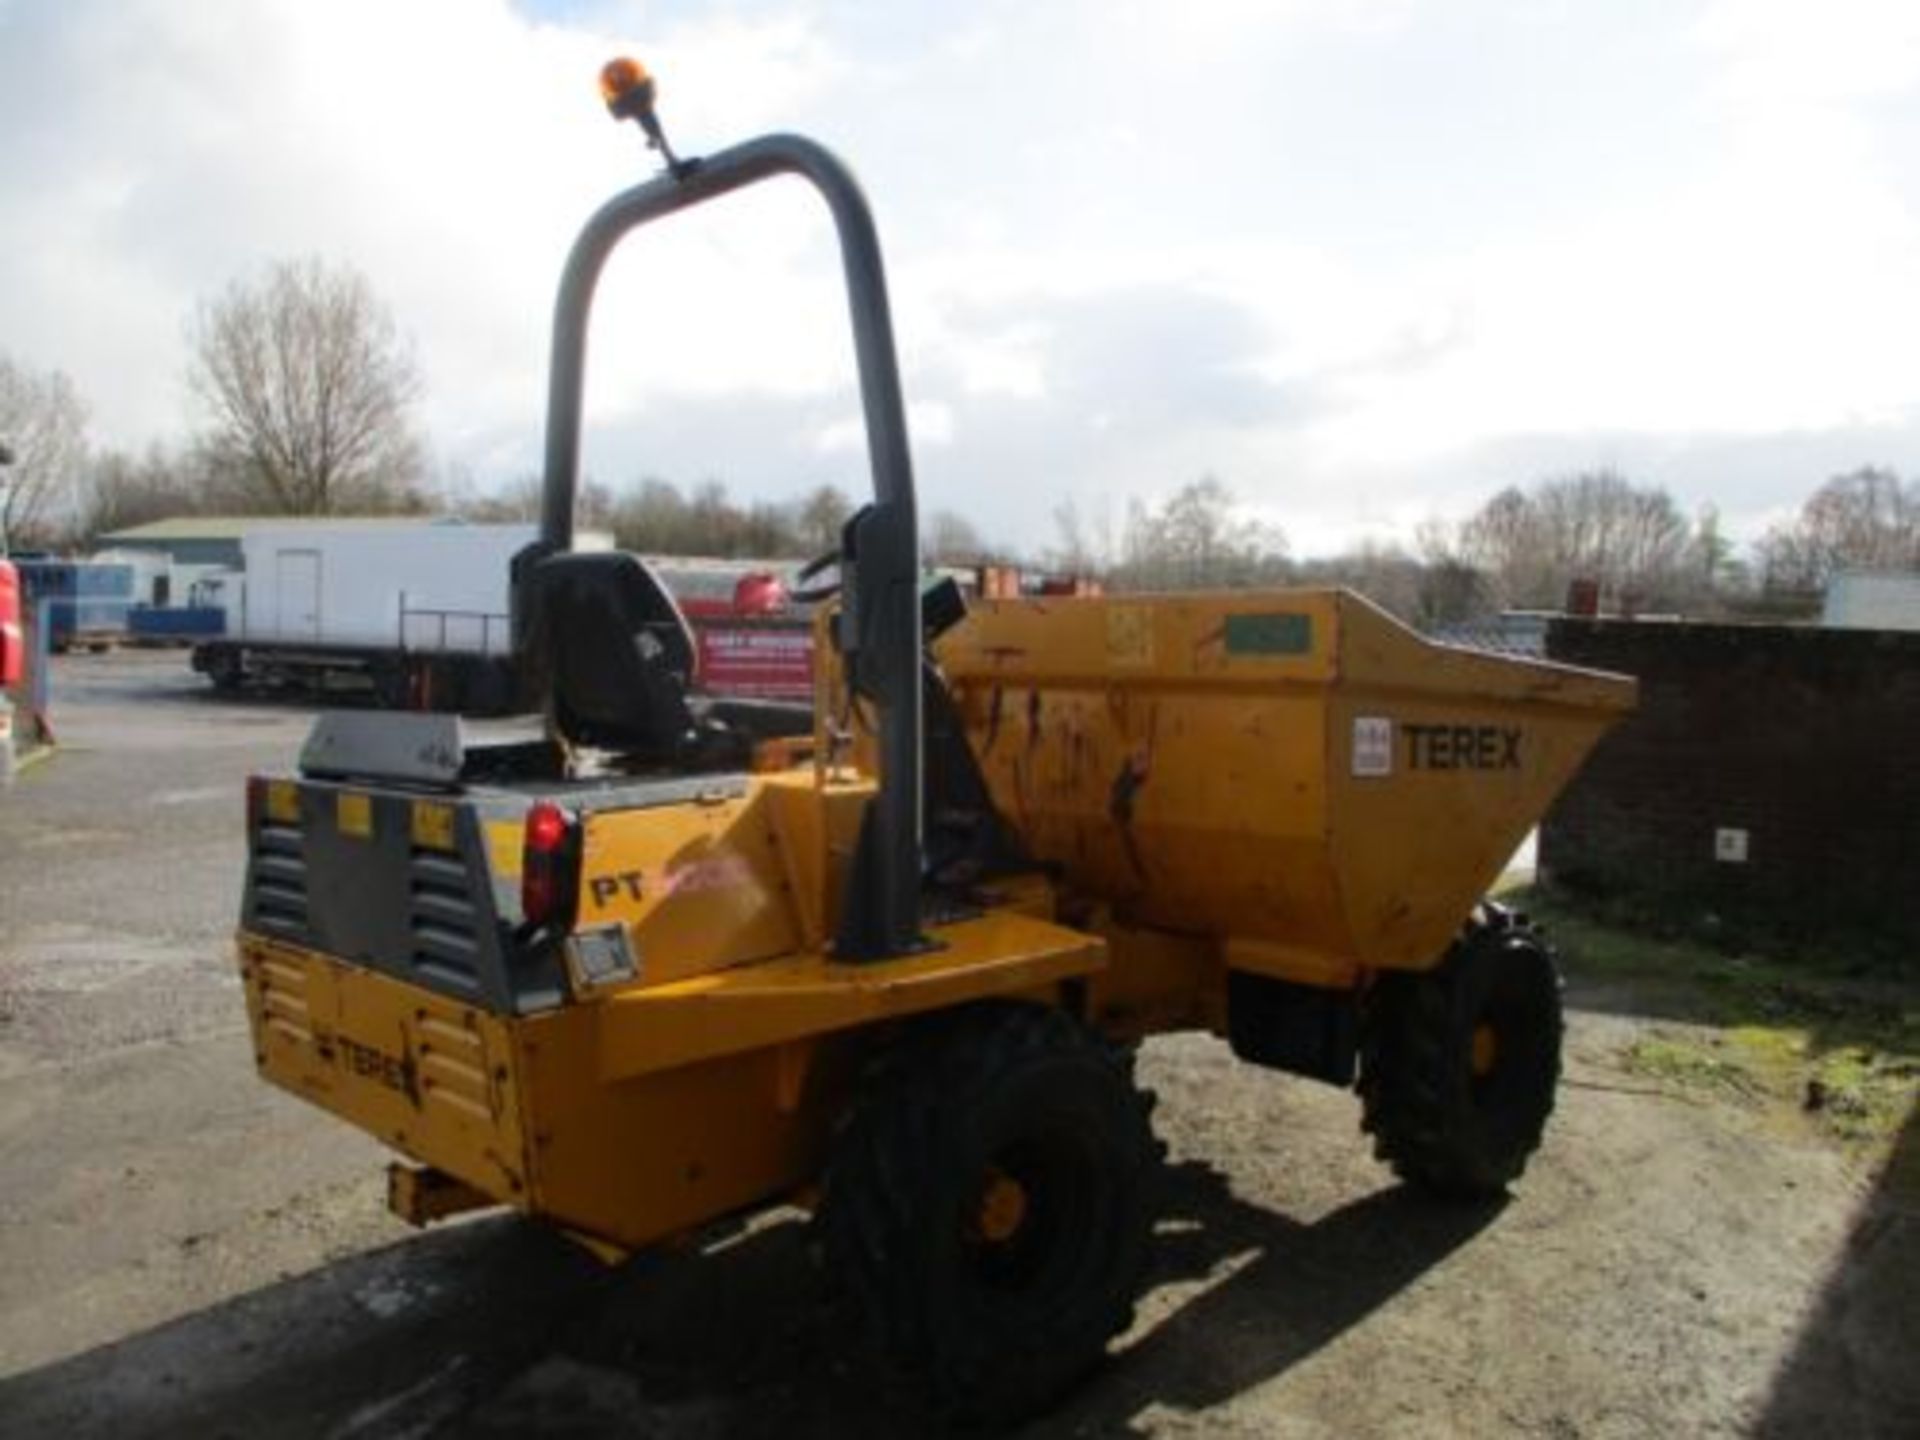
x=1366 y=261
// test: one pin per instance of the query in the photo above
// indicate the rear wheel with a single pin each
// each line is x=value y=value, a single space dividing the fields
x=988 y=1207
x=1458 y=1065
x=223 y=669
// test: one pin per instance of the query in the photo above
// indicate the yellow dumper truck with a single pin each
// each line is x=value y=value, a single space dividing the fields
x=663 y=959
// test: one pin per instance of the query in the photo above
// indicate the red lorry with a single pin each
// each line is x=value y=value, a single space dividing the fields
x=752 y=643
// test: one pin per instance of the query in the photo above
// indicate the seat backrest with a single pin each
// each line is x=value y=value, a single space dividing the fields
x=613 y=650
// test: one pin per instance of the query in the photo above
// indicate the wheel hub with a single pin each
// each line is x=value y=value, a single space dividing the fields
x=1002 y=1209
x=1485 y=1050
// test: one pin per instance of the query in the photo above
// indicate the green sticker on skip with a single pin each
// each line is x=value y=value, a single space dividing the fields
x=1275 y=633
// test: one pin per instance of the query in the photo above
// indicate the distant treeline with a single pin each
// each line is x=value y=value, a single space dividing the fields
x=307 y=390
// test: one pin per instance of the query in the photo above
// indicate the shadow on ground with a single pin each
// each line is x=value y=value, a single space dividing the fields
x=1852 y=1369
x=427 y=1321
x=497 y=1327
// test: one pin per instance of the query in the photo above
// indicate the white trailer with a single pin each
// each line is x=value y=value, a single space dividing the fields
x=417 y=613
x=439 y=586
x=1873 y=600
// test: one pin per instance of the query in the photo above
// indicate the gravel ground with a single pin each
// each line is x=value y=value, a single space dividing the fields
x=185 y=1252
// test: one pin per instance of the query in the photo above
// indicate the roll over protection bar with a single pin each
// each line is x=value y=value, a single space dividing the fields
x=880 y=630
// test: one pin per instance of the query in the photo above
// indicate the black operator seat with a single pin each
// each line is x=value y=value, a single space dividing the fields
x=618 y=653
x=619 y=659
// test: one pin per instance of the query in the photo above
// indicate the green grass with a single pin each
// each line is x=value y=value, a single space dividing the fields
x=1816 y=1034
x=1857 y=1094
x=1686 y=1061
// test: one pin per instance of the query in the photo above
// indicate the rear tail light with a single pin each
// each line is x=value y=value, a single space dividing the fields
x=549 y=867
x=12 y=646
x=256 y=801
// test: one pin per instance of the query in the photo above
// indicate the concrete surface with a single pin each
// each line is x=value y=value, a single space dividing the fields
x=185 y=1252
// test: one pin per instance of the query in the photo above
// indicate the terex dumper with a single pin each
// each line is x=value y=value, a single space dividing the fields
x=666 y=960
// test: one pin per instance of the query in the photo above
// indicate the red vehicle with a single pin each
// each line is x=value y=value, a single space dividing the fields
x=753 y=643
x=12 y=639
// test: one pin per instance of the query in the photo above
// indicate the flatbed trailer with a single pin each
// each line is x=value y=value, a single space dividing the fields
x=418 y=618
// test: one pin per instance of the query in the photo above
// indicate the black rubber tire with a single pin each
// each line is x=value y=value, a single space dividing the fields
x=994 y=1331
x=1440 y=1126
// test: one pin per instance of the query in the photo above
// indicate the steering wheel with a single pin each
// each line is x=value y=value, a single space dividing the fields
x=826 y=589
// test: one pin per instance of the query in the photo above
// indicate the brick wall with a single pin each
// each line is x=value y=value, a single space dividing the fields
x=1807 y=739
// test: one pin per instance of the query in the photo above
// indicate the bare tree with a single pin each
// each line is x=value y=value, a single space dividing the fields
x=123 y=490
x=657 y=517
x=1084 y=547
x=820 y=517
x=43 y=423
x=1385 y=574
x=308 y=386
x=592 y=510
x=715 y=520
x=518 y=501
x=653 y=517
x=1714 y=573
x=953 y=540
x=1503 y=541
x=1596 y=525
x=1452 y=589
x=1866 y=519
x=1198 y=540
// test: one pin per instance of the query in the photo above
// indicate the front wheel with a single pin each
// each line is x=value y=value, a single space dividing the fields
x=988 y=1207
x=1458 y=1064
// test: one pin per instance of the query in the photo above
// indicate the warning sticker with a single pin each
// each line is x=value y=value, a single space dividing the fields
x=1372 y=745
x=354 y=815
x=1281 y=633
x=1129 y=634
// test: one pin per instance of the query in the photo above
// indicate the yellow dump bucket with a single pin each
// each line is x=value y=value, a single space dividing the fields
x=1294 y=771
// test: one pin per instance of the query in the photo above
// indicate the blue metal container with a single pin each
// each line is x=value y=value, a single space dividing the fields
x=176 y=622
x=84 y=601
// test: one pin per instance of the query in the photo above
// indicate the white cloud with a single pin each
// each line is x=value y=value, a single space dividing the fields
x=1364 y=262
x=928 y=423
x=447 y=147
x=1777 y=52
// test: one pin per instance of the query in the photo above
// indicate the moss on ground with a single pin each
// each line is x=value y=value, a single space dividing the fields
x=1810 y=1033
